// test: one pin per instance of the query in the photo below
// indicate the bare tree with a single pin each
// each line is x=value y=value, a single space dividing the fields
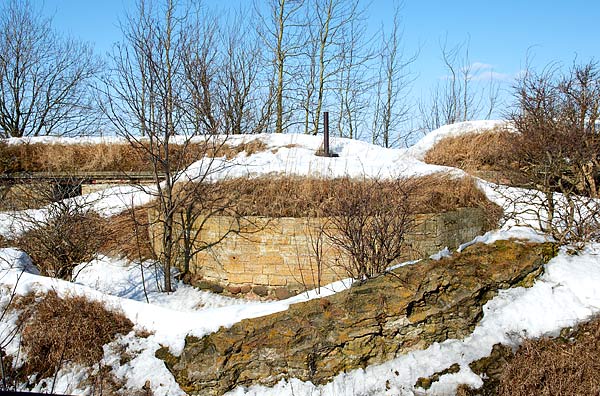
x=391 y=108
x=146 y=94
x=353 y=78
x=330 y=19
x=201 y=66
x=160 y=97
x=45 y=80
x=242 y=108
x=457 y=98
x=279 y=32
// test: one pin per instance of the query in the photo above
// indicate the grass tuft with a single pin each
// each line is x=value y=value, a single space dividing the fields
x=559 y=366
x=73 y=329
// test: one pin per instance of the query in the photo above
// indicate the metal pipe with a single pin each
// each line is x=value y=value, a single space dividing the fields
x=326 y=133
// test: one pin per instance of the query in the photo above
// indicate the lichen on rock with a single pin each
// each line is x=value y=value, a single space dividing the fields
x=374 y=321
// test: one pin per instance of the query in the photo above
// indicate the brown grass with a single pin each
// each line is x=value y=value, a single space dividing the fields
x=129 y=235
x=301 y=197
x=474 y=152
x=74 y=329
x=560 y=366
x=105 y=157
x=297 y=197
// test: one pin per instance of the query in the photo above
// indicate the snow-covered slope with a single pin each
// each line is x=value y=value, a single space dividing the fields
x=569 y=292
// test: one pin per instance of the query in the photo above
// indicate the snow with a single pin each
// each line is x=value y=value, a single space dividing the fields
x=567 y=293
x=107 y=202
x=293 y=155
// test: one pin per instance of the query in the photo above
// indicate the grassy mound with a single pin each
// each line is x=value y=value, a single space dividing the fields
x=477 y=153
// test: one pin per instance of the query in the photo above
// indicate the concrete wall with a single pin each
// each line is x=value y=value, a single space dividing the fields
x=279 y=252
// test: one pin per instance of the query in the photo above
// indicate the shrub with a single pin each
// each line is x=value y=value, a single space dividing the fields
x=370 y=223
x=71 y=329
x=70 y=236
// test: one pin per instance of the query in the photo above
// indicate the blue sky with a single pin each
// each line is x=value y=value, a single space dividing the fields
x=500 y=33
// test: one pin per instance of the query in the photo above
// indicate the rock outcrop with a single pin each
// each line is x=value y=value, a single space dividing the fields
x=374 y=321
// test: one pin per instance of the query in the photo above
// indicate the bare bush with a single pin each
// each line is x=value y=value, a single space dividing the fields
x=69 y=235
x=370 y=223
x=557 y=149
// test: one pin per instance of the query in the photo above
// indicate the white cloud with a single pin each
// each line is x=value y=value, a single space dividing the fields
x=480 y=71
x=479 y=66
x=488 y=75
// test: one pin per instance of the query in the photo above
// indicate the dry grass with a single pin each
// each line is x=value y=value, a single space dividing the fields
x=296 y=197
x=474 y=152
x=129 y=235
x=104 y=157
x=561 y=366
x=567 y=365
x=302 y=197
x=74 y=329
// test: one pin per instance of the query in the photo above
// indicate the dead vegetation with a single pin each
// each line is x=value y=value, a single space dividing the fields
x=565 y=365
x=69 y=237
x=129 y=235
x=70 y=329
x=302 y=197
x=478 y=153
x=560 y=366
x=107 y=157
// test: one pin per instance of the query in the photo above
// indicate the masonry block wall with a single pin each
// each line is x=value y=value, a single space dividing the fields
x=280 y=252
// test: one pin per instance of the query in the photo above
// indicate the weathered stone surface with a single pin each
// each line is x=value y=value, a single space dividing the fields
x=213 y=287
x=245 y=288
x=282 y=293
x=261 y=291
x=234 y=289
x=372 y=322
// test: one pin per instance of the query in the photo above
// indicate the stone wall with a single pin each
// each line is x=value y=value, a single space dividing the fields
x=280 y=252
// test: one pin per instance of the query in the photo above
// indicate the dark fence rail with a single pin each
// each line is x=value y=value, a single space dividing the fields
x=81 y=177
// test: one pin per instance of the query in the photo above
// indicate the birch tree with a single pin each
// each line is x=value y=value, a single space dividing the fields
x=279 y=32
